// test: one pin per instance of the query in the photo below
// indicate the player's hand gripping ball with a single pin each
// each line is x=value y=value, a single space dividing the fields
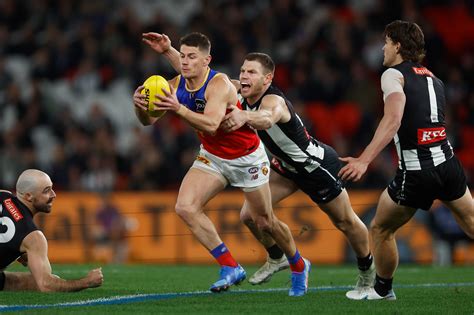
x=152 y=86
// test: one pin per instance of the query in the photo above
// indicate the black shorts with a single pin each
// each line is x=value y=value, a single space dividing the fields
x=321 y=185
x=418 y=189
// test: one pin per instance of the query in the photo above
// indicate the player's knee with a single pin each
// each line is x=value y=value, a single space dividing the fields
x=185 y=212
x=469 y=230
x=344 y=225
x=264 y=224
x=380 y=232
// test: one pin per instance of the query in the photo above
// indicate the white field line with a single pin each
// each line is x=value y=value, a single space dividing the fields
x=124 y=299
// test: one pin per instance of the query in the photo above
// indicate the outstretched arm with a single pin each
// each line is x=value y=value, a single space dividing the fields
x=161 y=43
x=41 y=277
x=388 y=127
x=272 y=110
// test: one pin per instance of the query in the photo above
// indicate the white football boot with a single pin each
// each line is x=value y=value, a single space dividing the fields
x=271 y=266
x=365 y=280
x=370 y=294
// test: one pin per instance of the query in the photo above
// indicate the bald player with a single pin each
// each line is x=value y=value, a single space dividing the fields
x=20 y=239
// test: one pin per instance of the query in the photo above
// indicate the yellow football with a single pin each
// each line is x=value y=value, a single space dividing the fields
x=152 y=86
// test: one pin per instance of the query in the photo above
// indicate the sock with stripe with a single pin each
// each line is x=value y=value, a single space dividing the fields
x=223 y=256
x=296 y=262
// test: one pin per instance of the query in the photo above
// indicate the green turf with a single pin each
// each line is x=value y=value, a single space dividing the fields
x=148 y=279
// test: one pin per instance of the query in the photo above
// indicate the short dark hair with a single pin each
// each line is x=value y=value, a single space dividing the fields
x=264 y=59
x=411 y=38
x=198 y=40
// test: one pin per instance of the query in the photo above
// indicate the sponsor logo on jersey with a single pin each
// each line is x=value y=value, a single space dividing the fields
x=202 y=159
x=200 y=105
x=16 y=214
x=430 y=135
x=422 y=71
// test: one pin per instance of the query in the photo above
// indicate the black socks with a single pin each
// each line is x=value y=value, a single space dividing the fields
x=382 y=286
x=365 y=262
x=275 y=252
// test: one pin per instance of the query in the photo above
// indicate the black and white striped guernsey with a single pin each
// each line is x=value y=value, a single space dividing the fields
x=289 y=142
x=421 y=140
x=16 y=222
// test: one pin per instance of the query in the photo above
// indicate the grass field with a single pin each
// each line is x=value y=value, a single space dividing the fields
x=150 y=289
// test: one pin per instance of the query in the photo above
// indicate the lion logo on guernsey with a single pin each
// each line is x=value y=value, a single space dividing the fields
x=265 y=170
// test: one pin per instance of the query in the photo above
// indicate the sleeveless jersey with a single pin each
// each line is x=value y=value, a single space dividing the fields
x=16 y=222
x=290 y=142
x=226 y=145
x=421 y=140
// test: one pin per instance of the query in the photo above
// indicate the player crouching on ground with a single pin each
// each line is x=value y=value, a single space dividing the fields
x=19 y=237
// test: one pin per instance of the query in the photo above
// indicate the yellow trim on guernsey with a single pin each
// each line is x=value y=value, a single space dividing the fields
x=176 y=81
x=202 y=84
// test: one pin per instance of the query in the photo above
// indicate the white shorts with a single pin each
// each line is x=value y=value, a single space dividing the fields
x=246 y=172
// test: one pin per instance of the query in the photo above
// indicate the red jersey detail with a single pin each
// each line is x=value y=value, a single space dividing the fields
x=231 y=145
x=16 y=214
x=422 y=71
x=430 y=135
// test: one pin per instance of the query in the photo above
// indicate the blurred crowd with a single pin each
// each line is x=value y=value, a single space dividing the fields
x=68 y=69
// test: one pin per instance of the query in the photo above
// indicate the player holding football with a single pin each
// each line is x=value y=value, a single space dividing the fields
x=414 y=117
x=297 y=163
x=202 y=97
x=19 y=237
